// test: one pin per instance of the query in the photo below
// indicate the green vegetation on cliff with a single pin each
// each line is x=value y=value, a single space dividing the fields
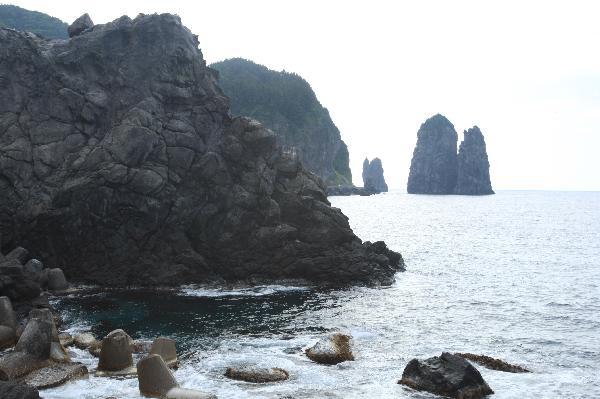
x=32 y=21
x=286 y=103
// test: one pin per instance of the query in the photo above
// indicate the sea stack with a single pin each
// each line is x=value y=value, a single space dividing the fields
x=434 y=166
x=372 y=175
x=473 y=165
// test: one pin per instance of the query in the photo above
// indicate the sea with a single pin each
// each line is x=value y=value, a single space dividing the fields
x=514 y=276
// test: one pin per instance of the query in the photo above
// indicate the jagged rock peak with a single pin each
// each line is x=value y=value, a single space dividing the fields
x=473 y=165
x=372 y=175
x=80 y=24
x=434 y=165
x=122 y=165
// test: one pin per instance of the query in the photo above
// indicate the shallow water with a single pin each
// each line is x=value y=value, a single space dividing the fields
x=514 y=276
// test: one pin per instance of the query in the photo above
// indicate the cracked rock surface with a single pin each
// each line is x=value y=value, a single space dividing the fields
x=120 y=163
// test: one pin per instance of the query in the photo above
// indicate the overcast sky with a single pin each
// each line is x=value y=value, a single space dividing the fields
x=526 y=72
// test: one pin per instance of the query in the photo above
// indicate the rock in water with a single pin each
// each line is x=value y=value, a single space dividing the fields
x=182 y=393
x=333 y=349
x=473 y=165
x=55 y=375
x=434 y=165
x=493 y=364
x=84 y=340
x=79 y=25
x=15 y=390
x=121 y=163
x=154 y=377
x=56 y=280
x=165 y=348
x=286 y=104
x=256 y=374
x=372 y=175
x=116 y=352
x=446 y=375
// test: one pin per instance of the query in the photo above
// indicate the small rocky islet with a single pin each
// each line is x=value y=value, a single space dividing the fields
x=155 y=178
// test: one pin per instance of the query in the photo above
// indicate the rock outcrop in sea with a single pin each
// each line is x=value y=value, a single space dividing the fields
x=436 y=168
x=285 y=103
x=120 y=163
x=372 y=175
x=473 y=165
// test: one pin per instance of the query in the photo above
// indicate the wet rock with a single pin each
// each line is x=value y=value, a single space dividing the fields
x=8 y=337
x=434 y=165
x=331 y=350
x=16 y=364
x=54 y=375
x=473 y=165
x=182 y=393
x=256 y=374
x=95 y=348
x=141 y=346
x=372 y=175
x=80 y=25
x=17 y=390
x=66 y=339
x=33 y=269
x=84 y=340
x=56 y=280
x=165 y=348
x=19 y=254
x=446 y=375
x=154 y=377
x=115 y=352
x=7 y=314
x=36 y=339
x=131 y=164
x=493 y=364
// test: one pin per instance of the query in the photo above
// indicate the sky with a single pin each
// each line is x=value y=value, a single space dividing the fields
x=526 y=72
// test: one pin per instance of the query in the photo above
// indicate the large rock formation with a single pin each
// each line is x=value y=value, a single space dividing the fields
x=473 y=165
x=285 y=103
x=433 y=169
x=437 y=169
x=120 y=163
x=372 y=175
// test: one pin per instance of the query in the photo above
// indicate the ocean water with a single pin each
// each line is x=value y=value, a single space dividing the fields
x=514 y=275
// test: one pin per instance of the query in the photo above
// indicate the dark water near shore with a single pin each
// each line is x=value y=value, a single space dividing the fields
x=515 y=275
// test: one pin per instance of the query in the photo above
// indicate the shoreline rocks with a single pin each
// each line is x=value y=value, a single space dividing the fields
x=332 y=349
x=492 y=363
x=446 y=375
x=257 y=375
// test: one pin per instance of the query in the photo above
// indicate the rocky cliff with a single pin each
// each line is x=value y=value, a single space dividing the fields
x=120 y=162
x=372 y=175
x=473 y=165
x=32 y=21
x=437 y=169
x=434 y=165
x=285 y=103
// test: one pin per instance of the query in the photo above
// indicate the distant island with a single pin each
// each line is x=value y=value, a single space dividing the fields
x=18 y=18
x=437 y=168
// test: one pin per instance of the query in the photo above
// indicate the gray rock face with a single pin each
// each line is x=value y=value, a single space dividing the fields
x=121 y=164
x=434 y=165
x=372 y=175
x=473 y=165
x=446 y=375
x=79 y=25
x=15 y=390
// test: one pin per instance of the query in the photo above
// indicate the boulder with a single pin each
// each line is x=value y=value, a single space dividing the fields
x=493 y=364
x=56 y=280
x=446 y=375
x=95 y=348
x=8 y=337
x=17 y=390
x=33 y=269
x=255 y=374
x=16 y=364
x=14 y=283
x=331 y=350
x=66 y=339
x=55 y=374
x=19 y=254
x=115 y=352
x=182 y=393
x=7 y=314
x=165 y=348
x=154 y=377
x=80 y=25
x=84 y=340
x=121 y=157
x=36 y=339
